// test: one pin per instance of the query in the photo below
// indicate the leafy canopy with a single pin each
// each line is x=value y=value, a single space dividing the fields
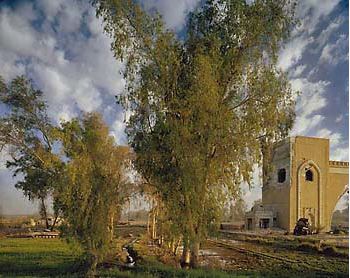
x=202 y=107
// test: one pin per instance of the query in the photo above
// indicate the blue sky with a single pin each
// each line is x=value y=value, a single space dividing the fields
x=60 y=45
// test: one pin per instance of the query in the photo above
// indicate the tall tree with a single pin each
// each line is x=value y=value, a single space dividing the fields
x=26 y=134
x=203 y=106
x=91 y=184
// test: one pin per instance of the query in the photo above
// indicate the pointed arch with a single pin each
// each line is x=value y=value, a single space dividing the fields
x=320 y=193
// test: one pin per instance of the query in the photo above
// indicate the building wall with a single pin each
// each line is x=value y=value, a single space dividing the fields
x=296 y=197
x=274 y=194
x=308 y=197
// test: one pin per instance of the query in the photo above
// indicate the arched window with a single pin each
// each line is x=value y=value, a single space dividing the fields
x=309 y=176
x=281 y=175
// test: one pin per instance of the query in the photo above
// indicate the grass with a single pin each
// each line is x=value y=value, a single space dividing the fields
x=55 y=258
x=26 y=257
x=37 y=257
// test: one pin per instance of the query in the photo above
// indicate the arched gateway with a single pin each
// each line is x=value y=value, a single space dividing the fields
x=303 y=182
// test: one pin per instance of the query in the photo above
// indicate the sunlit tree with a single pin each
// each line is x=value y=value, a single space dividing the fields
x=202 y=106
x=91 y=184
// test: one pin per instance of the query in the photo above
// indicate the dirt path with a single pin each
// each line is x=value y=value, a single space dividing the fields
x=237 y=255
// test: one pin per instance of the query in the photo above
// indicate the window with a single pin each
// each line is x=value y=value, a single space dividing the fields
x=309 y=176
x=281 y=175
x=264 y=223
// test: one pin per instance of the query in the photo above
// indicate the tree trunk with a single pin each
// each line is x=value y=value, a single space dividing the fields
x=44 y=213
x=176 y=245
x=148 y=224
x=54 y=223
x=154 y=232
x=91 y=272
x=194 y=254
x=186 y=255
x=111 y=227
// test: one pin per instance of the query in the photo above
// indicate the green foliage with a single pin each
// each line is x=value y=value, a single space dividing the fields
x=203 y=107
x=26 y=133
x=86 y=180
x=91 y=184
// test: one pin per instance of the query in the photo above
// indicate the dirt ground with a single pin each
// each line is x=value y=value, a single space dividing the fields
x=271 y=258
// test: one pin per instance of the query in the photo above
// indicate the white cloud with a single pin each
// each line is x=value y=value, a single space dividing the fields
x=312 y=96
x=16 y=34
x=340 y=154
x=339 y=119
x=10 y=68
x=312 y=11
x=293 y=51
x=325 y=35
x=298 y=71
x=304 y=124
x=252 y=194
x=50 y=8
x=335 y=137
x=74 y=71
x=310 y=101
x=333 y=53
x=70 y=18
x=117 y=130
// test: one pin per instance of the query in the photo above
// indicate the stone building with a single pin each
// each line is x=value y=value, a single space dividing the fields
x=301 y=182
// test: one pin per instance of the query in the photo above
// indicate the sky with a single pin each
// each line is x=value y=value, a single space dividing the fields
x=61 y=47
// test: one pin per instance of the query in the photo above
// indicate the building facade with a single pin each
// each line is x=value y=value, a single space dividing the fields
x=301 y=182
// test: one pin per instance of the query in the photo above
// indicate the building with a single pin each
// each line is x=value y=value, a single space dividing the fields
x=300 y=181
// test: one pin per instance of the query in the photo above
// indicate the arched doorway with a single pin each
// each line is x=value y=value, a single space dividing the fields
x=309 y=194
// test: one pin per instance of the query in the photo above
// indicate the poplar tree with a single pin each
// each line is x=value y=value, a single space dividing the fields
x=91 y=184
x=26 y=134
x=204 y=106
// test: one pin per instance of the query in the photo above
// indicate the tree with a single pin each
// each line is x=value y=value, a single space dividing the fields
x=205 y=106
x=26 y=133
x=91 y=183
x=237 y=209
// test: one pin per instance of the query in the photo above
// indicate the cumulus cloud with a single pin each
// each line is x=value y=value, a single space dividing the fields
x=76 y=71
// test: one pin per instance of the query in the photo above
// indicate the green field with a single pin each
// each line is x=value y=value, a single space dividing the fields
x=55 y=258
x=36 y=257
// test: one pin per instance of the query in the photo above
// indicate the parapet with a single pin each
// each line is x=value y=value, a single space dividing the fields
x=342 y=164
